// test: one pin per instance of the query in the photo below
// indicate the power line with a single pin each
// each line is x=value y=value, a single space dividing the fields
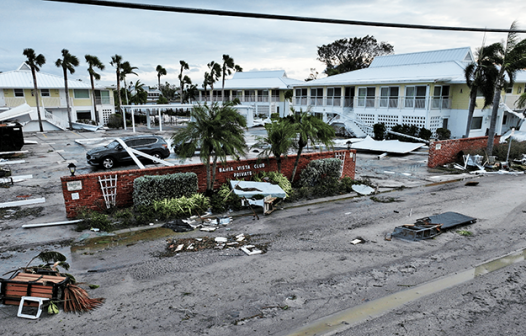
x=277 y=17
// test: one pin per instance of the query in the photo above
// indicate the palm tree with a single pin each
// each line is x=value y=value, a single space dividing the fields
x=206 y=82
x=511 y=58
x=481 y=76
x=116 y=61
x=35 y=62
x=217 y=131
x=184 y=66
x=160 y=72
x=140 y=96
x=226 y=70
x=127 y=69
x=94 y=62
x=279 y=140
x=310 y=128
x=67 y=63
x=215 y=73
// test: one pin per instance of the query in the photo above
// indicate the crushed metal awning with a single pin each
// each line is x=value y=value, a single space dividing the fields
x=430 y=227
x=249 y=189
x=387 y=146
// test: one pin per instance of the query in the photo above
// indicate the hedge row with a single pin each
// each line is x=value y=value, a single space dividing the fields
x=147 y=189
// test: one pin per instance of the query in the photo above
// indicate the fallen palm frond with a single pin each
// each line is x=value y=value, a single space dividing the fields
x=77 y=300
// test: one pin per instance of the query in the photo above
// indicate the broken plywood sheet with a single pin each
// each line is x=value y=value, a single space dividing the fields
x=250 y=188
x=387 y=146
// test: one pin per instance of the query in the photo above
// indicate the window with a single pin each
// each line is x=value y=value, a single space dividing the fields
x=19 y=92
x=509 y=89
x=44 y=93
x=415 y=96
x=81 y=93
x=262 y=95
x=316 y=96
x=440 y=97
x=389 y=96
x=275 y=95
x=476 y=123
x=83 y=115
x=504 y=119
x=102 y=97
x=349 y=97
x=334 y=96
x=519 y=90
x=366 y=96
x=250 y=96
x=301 y=96
x=237 y=94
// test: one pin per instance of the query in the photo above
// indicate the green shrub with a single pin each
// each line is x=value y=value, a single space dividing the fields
x=94 y=219
x=379 y=130
x=115 y=121
x=319 y=169
x=443 y=133
x=181 y=207
x=147 y=189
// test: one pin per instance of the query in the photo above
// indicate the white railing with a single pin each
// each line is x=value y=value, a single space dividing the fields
x=50 y=102
x=14 y=101
x=106 y=100
x=59 y=122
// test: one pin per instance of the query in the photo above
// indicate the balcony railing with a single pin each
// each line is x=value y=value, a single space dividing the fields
x=104 y=101
x=442 y=102
x=14 y=101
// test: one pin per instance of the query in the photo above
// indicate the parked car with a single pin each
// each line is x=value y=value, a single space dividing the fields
x=113 y=153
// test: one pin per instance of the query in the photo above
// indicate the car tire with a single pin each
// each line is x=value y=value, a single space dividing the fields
x=108 y=162
x=157 y=155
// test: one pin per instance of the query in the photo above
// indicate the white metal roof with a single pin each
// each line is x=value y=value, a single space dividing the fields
x=435 y=56
x=450 y=72
x=22 y=79
x=258 y=80
x=445 y=66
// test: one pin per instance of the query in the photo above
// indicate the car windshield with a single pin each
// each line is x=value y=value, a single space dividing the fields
x=112 y=144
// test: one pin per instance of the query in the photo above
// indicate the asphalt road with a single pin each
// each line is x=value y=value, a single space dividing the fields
x=310 y=271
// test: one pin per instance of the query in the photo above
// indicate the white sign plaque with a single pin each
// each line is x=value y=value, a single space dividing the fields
x=74 y=185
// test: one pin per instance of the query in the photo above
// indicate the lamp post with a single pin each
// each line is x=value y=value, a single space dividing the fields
x=72 y=168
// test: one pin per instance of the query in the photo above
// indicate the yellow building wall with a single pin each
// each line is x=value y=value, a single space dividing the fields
x=9 y=93
x=82 y=102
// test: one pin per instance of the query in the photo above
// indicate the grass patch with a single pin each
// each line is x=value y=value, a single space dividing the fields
x=465 y=233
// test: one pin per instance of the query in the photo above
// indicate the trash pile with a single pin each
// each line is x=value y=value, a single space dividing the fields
x=477 y=164
x=231 y=242
x=206 y=224
x=430 y=227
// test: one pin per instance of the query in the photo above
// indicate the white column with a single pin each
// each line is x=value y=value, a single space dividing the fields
x=133 y=119
x=160 y=121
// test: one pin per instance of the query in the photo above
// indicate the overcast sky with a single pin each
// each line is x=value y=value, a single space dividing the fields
x=147 y=38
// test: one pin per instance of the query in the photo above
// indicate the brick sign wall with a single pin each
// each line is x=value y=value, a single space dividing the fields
x=85 y=190
x=446 y=151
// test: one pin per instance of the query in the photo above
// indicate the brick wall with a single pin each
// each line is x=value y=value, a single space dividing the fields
x=85 y=191
x=446 y=151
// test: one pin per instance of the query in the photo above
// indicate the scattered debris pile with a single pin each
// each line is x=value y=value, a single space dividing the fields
x=240 y=241
x=430 y=227
x=207 y=224
x=44 y=286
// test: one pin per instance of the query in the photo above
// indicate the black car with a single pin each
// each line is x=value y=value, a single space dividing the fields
x=114 y=153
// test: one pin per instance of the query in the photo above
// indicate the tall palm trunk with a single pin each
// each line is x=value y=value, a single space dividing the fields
x=36 y=98
x=67 y=97
x=300 y=150
x=493 y=122
x=94 y=99
x=471 y=109
x=278 y=161
x=120 y=99
x=214 y=168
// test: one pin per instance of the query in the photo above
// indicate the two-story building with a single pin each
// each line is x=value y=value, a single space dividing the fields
x=263 y=90
x=425 y=89
x=16 y=88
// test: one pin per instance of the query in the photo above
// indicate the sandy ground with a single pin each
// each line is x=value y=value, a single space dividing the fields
x=310 y=271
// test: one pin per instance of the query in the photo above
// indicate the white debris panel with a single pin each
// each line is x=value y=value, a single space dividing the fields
x=387 y=146
x=249 y=189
